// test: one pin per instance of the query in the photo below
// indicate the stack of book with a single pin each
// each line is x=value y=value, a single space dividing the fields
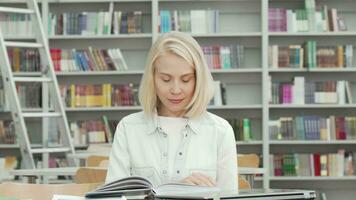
x=104 y=95
x=310 y=56
x=242 y=129
x=224 y=57
x=24 y=60
x=16 y=25
x=93 y=131
x=88 y=59
x=314 y=17
x=95 y=23
x=333 y=164
x=7 y=132
x=303 y=92
x=313 y=128
x=193 y=21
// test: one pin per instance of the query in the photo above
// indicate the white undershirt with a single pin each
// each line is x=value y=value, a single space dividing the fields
x=173 y=126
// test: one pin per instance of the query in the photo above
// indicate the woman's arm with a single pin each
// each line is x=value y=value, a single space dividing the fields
x=119 y=161
x=227 y=160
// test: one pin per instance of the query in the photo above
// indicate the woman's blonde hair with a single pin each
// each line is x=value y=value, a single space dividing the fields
x=184 y=46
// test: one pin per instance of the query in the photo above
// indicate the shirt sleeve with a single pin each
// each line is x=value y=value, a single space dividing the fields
x=227 y=160
x=119 y=160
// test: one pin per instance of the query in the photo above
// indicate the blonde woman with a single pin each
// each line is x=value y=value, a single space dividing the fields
x=175 y=139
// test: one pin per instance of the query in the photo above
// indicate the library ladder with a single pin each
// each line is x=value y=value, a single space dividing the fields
x=52 y=106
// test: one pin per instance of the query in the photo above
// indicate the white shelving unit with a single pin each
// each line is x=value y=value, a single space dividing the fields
x=241 y=22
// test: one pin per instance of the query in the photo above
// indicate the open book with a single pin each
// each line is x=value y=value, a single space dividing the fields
x=139 y=186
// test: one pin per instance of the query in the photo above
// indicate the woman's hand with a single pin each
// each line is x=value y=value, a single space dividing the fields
x=199 y=179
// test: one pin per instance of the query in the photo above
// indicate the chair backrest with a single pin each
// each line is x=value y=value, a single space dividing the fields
x=248 y=160
x=104 y=164
x=90 y=175
x=243 y=184
x=94 y=161
x=43 y=191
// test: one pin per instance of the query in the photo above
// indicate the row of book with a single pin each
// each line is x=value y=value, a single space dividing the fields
x=219 y=97
x=100 y=95
x=332 y=164
x=193 y=21
x=24 y=60
x=224 y=57
x=88 y=59
x=7 y=132
x=312 y=127
x=95 y=23
x=242 y=129
x=303 y=92
x=14 y=24
x=310 y=56
x=313 y=18
x=93 y=131
x=30 y=95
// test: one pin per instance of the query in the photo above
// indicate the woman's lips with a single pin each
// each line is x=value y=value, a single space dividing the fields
x=175 y=101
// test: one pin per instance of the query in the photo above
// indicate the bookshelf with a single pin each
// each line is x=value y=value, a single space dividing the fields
x=247 y=87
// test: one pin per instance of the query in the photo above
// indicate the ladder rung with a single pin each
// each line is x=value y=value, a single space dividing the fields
x=23 y=44
x=16 y=10
x=32 y=79
x=51 y=150
x=41 y=114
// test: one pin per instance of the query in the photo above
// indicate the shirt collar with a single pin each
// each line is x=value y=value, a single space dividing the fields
x=193 y=123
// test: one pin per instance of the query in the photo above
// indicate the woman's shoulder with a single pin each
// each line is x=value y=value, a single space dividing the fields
x=213 y=119
x=134 y=118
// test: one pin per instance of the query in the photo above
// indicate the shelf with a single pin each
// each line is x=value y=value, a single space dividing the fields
x=134 y=72
x=249 y=143
x=333 y=70
x=313 y=106
x=237 y=71
x=18 y=37
x=209 y=0
x=310 y=142
x=317 y=34
x=84 y=37
x=140 y=72
x=27 y=74
x=99 y=73
x=247 y=34
x=313 y=178
x=235 y=107
x=16 y=146
x=96 y=1
x=118 y=108
x=138 y=108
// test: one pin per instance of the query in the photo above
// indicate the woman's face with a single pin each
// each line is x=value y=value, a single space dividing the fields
x=175 y=83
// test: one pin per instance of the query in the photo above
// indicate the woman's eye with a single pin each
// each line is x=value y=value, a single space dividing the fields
x=186 y=80
x=165 y=80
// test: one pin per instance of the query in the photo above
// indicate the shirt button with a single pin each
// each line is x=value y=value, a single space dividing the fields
x=178 y=171
x=180 y=153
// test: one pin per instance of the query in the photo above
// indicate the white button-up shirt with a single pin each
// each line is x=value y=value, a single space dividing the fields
x=208 y=146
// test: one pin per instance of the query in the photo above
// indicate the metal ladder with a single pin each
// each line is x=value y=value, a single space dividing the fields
x=50 y=92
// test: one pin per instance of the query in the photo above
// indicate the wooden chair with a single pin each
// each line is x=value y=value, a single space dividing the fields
x=246 y=160
x=94 y=161
x=43 y=191
x=90 y=175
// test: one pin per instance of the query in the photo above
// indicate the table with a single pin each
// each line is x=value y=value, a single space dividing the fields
x=32 y=174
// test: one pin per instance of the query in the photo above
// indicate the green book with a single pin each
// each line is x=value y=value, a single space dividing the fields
x=246 y=129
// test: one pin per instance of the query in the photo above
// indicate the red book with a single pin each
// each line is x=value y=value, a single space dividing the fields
x=317 y=164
